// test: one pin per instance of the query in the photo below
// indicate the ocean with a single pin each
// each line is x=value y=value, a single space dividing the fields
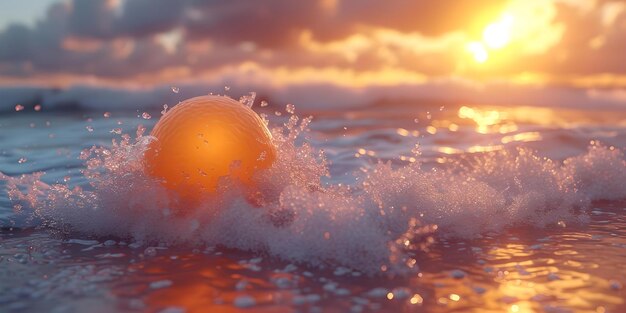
x=397 y=206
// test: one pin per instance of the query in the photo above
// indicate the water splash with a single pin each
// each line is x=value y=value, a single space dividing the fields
x=376 y=225
x=248 y=100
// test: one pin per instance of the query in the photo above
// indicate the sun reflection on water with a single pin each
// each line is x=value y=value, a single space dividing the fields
x=487 y=121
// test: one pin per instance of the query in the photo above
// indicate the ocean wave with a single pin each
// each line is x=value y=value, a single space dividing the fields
x=375 y=225
x=312 y=96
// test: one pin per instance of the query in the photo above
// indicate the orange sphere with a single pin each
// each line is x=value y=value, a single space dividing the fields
x=205 y=138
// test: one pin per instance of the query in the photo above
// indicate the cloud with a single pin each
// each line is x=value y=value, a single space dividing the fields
x=344 y=42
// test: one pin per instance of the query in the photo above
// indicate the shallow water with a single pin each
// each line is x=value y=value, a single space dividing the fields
x=525 y=267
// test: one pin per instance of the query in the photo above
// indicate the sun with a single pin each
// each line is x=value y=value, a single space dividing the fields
x=495 y=36
x=498 y=34
x=478 y=51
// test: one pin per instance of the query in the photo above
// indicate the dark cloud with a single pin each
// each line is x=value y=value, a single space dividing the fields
x=272 y=23
x=14 y=41
x=98 y=38
x=142 y=18
x=266 y=23
x=278 y=22
x=92 y=18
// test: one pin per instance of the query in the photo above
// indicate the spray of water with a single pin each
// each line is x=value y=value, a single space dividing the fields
x=376 y=225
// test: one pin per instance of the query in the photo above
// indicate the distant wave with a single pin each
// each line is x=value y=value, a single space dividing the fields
x=314 y=96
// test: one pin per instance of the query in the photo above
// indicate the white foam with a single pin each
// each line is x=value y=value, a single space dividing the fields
x=371 y=227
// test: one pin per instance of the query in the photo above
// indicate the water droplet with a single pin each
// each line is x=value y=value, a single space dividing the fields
x=417 y=120
x=175 y=89
x=164 y=109
x=150 y=252
x=264 y=103
x=428 y=115
x=107 y=114
x=417 y=151
x=227 y=88
x=277 y=113
x=290 y=108
x=21 y=160
x=442 y=107
x=89 y=128
x=66 y=179
x=140 y=130
x=38 y=107
x=146 y=115
x=116 y=131
x=416 y=299
x=249 y=99
x=19 y=107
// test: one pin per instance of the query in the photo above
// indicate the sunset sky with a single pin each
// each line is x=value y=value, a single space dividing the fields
x=552 y=52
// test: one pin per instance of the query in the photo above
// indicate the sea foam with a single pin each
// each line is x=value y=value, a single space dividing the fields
x=378 y=224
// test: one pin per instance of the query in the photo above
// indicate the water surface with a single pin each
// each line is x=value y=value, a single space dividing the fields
x=524 y=267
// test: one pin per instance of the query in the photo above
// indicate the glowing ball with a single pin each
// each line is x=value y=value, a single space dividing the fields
x=205 y=138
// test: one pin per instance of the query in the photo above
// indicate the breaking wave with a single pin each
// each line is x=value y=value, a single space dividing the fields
x=377 y=224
